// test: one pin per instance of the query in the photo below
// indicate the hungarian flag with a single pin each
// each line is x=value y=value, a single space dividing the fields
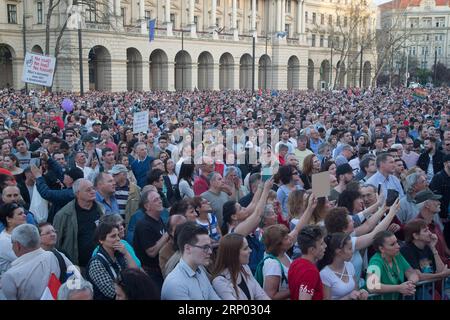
x=51 y=291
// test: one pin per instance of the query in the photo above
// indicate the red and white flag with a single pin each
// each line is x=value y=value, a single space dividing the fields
x=51 y=291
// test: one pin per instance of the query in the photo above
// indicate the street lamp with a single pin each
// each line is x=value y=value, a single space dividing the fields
x=74 y=22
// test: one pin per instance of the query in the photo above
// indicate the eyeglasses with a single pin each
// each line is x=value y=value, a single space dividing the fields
x=49 y=233
x=206 y=248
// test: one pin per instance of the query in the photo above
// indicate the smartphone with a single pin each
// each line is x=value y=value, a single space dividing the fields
x=266 y=173
x=392 y=195
x=379 y=188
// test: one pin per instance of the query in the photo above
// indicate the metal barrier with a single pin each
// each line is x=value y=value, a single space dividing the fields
x=425 y=290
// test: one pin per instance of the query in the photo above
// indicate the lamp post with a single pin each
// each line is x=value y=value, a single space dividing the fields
x=24 y=39
x=253 y=62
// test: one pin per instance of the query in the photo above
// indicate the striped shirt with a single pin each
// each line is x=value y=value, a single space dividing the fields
x=122 y=197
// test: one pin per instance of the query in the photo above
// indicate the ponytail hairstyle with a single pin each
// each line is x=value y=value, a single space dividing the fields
x=334 y=242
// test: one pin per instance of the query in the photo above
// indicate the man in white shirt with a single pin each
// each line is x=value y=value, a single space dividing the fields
x=29 y=274
x=410 y=157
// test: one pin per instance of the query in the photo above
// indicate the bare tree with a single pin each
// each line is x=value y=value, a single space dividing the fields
x=391 y=38
x=99 y=9
x=350 y=32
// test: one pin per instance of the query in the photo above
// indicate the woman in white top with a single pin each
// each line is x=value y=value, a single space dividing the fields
x=276 y=263
x=337 y=272
x=11 y=215
x=232 y=278
x=185 y=181
x=169 y=166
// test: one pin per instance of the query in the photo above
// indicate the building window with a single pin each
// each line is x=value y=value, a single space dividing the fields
x=336 y=42
x=439 y=51
x=39 y=12
x=313 y=40
x=288 y=6
x=306 y=16
x=12 y=13
x=338 y=21
x=330 y=41
x=238 y=4
x=330 y=19
x=172 y=19
x=218 y=3
x=321 y=40
x=345 y=22
x=91 y=13
x=426 y=22
x=322 y=19
x=124 y=16
x=196 y=22
x=148 y=15
x=440 y=22
x=287 y=29
x=217 y=22
x=314 y=18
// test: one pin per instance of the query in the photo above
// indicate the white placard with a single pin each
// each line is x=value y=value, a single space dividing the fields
x=38 y=69
x=140 y=122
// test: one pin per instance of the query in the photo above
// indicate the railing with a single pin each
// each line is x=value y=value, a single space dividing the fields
x=425 y=290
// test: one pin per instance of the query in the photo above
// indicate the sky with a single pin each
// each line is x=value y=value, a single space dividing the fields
x=378 y=2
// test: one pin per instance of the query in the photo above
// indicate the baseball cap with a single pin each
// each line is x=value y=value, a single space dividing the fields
x=96 y=121
x=88 y=138
x=425 y=195
x=343 y=169
x=118 y=168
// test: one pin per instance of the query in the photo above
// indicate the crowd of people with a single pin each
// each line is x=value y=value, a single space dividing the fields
x=175 y=213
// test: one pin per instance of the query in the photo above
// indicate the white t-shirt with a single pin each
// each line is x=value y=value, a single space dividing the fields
x=338 y=288
x=272 y=268
x=7 y=255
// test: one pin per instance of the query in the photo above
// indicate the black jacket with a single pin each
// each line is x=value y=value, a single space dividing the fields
x=438 y=161
x=440 y=184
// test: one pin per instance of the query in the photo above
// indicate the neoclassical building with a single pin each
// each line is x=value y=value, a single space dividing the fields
x=204 y=44
x=426 y=26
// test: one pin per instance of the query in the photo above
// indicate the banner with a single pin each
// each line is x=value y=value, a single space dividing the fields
x=140 y=122
x=38 y=69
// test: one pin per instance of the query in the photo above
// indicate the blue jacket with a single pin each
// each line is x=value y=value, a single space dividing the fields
x=58 y=198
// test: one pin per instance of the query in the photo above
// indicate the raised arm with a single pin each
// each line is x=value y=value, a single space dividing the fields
x=251 y=223
x=365 y=241
x=305 y=218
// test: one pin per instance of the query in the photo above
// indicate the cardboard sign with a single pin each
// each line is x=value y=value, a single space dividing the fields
x=140 y=122
x=321 y=184
x=38 y=69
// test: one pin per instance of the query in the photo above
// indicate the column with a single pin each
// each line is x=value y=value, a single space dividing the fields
x=167 y=19
x=194 y=74
x=191 y=19
x=299 y=17
x=216 y=76
x=145 y=65
x=278 y=16
x=234 y=21
x=213 y=18
x=302 y=37
x=142 y=16
x=236 y=74
x=254 y=18
x=117 y=12
x=171 y=76
x=283 y=15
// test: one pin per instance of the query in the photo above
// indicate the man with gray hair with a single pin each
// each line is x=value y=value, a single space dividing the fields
x=28 y=277
x=76 y=223
x=409 y=209
x=215 y=195
x=82 y=291
x=254 y=180
x=345 y=155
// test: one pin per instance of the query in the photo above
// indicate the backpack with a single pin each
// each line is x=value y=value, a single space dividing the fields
x=259 y=276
